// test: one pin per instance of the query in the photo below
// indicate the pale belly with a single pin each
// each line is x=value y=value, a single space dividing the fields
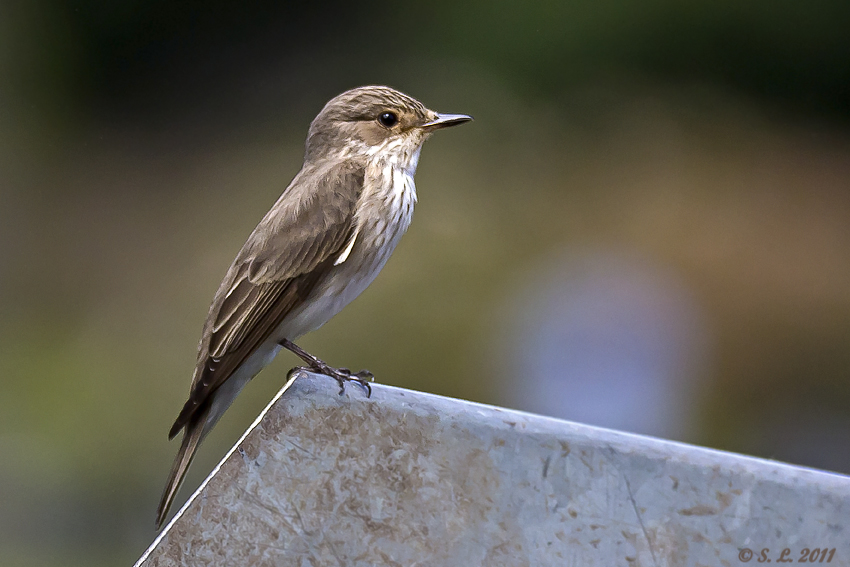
x=343 y=284
x=388 y=208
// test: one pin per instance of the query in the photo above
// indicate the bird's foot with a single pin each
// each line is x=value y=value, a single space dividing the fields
x=341 y=375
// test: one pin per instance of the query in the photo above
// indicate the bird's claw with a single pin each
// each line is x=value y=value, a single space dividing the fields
x=344 y=375
x=341 y=375
x=318 y=366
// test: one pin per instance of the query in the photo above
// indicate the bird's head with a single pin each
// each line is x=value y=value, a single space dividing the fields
x=369 y=122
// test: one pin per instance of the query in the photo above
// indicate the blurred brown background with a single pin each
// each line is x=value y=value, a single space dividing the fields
x=647 y=227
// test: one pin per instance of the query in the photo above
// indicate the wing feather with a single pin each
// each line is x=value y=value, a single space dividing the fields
x=294 y=245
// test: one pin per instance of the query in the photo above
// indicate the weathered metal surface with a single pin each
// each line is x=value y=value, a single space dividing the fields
x=411 y=479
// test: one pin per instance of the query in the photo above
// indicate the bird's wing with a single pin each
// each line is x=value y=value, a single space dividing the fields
x=294 y=245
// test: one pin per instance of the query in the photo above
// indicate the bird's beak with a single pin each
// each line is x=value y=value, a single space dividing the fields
x=446 y=120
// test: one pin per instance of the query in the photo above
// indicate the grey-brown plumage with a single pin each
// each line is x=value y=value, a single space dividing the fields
x=319 y=246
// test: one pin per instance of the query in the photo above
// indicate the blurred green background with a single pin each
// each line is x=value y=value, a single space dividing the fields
x=647 y=226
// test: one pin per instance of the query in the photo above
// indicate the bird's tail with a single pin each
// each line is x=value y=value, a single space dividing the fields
x=191 y=439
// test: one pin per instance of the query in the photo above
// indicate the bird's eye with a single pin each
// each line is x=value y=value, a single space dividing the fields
x=388 y=119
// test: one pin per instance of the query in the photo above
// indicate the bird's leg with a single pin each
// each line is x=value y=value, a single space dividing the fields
x=341 y=375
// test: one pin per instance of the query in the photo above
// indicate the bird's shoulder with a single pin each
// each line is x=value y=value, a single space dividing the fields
x=306 y=223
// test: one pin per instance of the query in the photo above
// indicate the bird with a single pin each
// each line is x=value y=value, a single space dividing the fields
x=319 y=246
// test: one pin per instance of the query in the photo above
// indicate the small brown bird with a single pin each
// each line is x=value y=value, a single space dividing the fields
x=319 y=247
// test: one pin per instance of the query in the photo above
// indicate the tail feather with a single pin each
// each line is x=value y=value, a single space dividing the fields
x=197 y=425
x=191 y=439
